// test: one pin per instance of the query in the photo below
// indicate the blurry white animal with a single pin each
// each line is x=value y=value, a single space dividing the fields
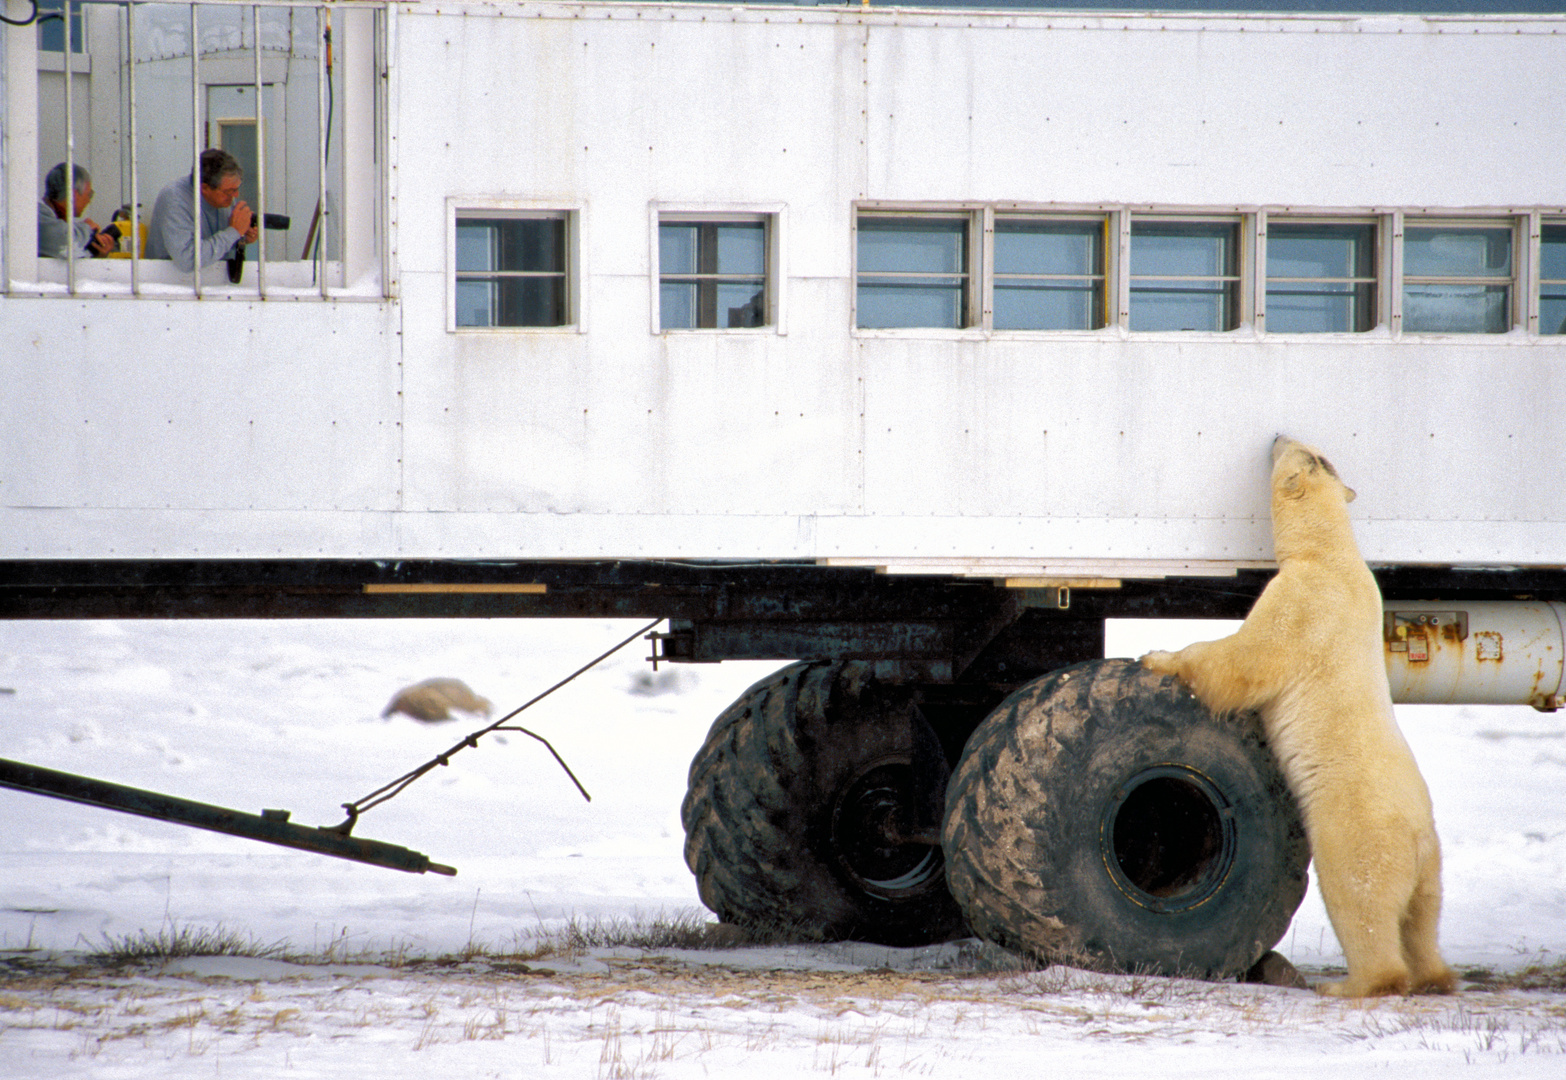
x=433 y=699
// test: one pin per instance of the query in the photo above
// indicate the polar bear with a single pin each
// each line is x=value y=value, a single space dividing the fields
x=1309 y=658
x=433 y=700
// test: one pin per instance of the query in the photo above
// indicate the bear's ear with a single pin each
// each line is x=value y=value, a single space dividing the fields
x=1292 y=486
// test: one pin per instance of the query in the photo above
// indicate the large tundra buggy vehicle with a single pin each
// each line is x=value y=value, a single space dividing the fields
x=908 y=344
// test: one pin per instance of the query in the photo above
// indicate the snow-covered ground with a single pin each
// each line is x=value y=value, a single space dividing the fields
x=287 y=715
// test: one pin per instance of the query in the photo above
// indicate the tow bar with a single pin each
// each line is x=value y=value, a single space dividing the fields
x=269 y=826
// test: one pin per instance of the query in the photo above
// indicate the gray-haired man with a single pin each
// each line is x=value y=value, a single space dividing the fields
x=55 y=227
x=225 y=219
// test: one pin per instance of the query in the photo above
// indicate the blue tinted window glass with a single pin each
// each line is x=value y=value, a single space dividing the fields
x=1055 y=305
x=1320 y=251
x=1183 y=249
x=1457 y=251
x=529 y=301
x=913 y=272
x=742 y=249
x=1049 y=247
x=934 y=302
x=534 y=245
x=1448 y=272
x=913 y=245
x=476 y=247
x=1326 y=308
x=712 y=275
x=1048 y=274
x=475 y=303
x=1552 y=312
x=1552 y=253
x=1176 y=305
x=511 y=271
x=677 y=249
x=677 y=305
x=51 y=32
x=741 y=304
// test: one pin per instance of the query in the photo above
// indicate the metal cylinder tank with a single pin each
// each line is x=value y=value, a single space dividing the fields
x=1486 y=653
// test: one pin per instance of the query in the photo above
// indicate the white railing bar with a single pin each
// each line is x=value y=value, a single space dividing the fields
x=70 y=164
x=323 y=73
x=195 y=142
x=386 y=203
x=135 y=191
x=255 y=31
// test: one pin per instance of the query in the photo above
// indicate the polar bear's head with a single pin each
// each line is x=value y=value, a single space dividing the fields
x=1297 y=471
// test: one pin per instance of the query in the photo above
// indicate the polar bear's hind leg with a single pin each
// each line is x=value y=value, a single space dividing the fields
x=1428 y=973
x=1367 y=893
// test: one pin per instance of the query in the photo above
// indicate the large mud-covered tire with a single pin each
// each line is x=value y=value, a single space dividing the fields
x=796 y=819
x=1102 y=817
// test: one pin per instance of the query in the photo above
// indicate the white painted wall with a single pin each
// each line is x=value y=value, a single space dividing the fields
x=371 y=429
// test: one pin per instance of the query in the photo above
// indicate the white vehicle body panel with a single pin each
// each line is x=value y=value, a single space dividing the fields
x=366 y=426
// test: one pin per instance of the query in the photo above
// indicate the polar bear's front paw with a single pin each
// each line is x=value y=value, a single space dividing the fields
x=1165 y=663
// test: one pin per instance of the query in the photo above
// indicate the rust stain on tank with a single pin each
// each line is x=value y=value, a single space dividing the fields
x=1488 y=646
x=1537 y=697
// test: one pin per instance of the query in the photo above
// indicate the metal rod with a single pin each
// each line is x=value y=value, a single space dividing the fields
x=195 y=142
x=270 y=826
x=385 y=22
x=323 y=74
x=255 y=19
x=70 y=163
x=135 y=193
x=550 y=747
x=396 y=787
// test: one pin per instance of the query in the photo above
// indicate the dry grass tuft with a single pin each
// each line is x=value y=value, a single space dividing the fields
x=172 y=942
x=684 y=929
x=1550 y=977
x=688 y=929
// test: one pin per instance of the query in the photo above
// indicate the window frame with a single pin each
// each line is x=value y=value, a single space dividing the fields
x=1388 y=225
x=73 y=19
x=769 y=260
x=976 y=275
x=458 y=208
x=1240 y=280
x=775 y=290
x=1103 y=278
x=1537 y=226
x=1521 y=296
x=357 y=249
x=1380 y=280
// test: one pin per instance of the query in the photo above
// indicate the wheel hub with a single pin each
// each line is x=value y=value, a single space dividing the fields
x=1168 y=838
x=871 y=839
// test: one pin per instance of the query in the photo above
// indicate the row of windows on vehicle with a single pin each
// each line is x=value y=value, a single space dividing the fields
x=925 y=270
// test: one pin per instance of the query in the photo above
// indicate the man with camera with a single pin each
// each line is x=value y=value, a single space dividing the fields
x=227 y=222
x=61 y=227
